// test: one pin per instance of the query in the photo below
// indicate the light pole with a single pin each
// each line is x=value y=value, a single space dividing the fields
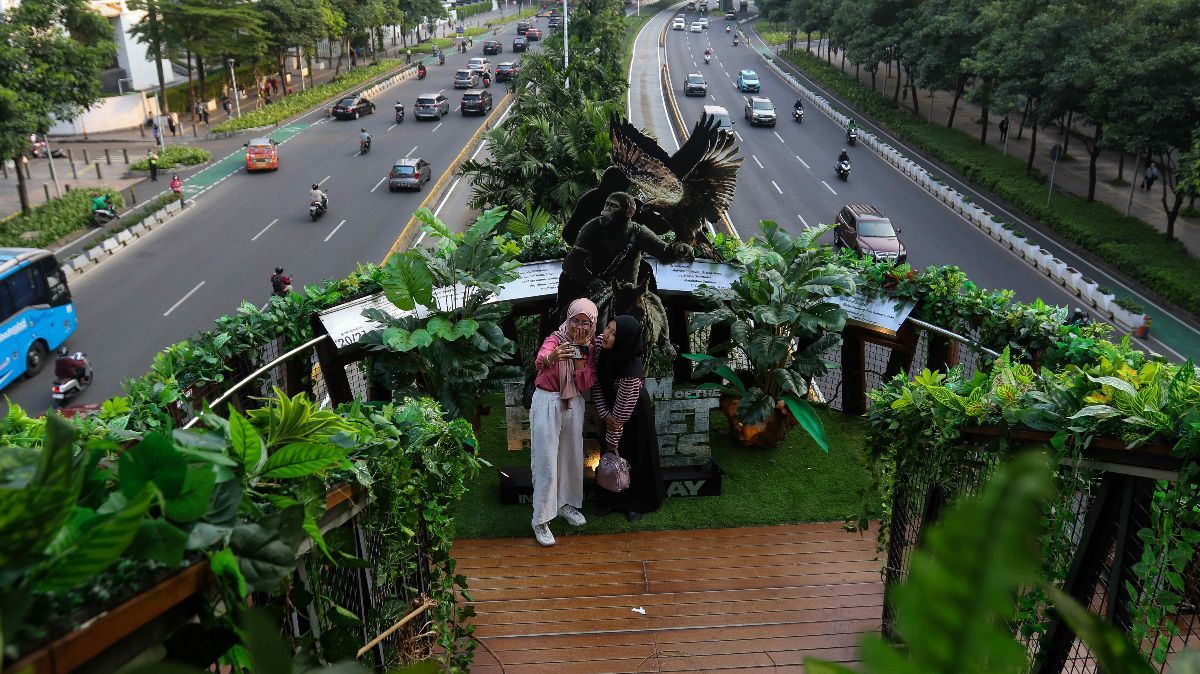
x=566 y=43
x=236 y=98
x=50 y=158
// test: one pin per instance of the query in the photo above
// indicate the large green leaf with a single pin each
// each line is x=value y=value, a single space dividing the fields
x=55 y=467
x=755 y=406
x=269 y=654
x=246 y=444
x=407 y=282
x=266 y=550
x=302 y=458
x=193 y=500
x=29 y=519
x=807 y=417
x=224 y=565
x=102 y=541
x=160 y=541
x=1111 y=648
x=156 y=460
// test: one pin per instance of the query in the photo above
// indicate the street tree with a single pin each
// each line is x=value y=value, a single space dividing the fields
x=151 y=31
x=941 y=46
x=291 y=24
x=52 y=53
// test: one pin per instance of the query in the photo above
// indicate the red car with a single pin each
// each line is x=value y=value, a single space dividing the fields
x=533 y=34
x=262 y=154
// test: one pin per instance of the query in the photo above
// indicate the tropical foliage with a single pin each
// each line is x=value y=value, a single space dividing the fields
x=782 y=321
x=450 y=343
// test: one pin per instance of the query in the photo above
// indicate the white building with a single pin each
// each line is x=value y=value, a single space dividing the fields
x=132 y=56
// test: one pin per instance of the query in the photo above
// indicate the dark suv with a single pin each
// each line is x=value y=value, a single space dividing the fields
x=865 y=229
x=695 y=85
x=352 y=107
x=506 y=71
x=520 y=44
x=492 y=47
x=431 y=106
x=522 y=26
x=476 y=101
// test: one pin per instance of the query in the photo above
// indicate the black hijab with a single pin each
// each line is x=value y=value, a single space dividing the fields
x=626 y=359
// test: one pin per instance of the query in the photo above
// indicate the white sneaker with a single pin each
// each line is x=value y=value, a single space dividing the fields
x=542 y=533
x=572 y=515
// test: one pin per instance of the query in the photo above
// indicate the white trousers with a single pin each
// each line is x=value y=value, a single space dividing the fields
x=556 y=441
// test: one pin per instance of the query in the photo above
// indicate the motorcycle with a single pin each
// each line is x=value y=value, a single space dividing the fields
x=72 y=374
x=101 y=217
x=727 y=29
x=707 y=58
x=735 y=40
x=798 y=114
x=364 y=146
x=420 y=73
x=317 y=208
x=38 y=151
x=851 y=137
x=441 y=59
x=843 y=169
x=399 y=113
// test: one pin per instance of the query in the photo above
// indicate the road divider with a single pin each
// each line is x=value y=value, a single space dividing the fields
x=409 y=230
x=1071 y=279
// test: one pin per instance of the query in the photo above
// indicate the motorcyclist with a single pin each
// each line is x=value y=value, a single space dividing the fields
x=317 y=195
x=399 y=107
x=727 y=28
x=441 y=57
x=421 y=70
x=102 y=204
x=851 y=129
x=799 y=105
x=487 y=79
x=844 y=156
x=281 y=284
x=364 y=137
x=70 y=366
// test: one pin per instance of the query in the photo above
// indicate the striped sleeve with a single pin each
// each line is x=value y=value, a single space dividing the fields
x=628 y=389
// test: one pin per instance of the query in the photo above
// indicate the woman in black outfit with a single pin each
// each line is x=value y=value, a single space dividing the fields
x=622 y=403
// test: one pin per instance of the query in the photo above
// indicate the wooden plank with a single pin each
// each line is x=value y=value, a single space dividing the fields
x=691 y=597
x=686 y=534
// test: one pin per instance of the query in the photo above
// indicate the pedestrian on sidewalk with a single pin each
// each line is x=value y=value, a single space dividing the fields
x=157 y=133
x=407 y=56
x=177 y=186
x=228 y=107
x=1150 y=177
x=152 y=162
x=225 y=90
x=173 y=122
x=1004 y=129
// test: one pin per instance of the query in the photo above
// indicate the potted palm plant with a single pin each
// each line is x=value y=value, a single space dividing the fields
x=449 y=343
x=782 y=321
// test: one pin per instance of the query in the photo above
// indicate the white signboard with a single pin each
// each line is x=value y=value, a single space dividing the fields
x=877 y=312
x=537 y=280
x=345 y=322
x=684 y=277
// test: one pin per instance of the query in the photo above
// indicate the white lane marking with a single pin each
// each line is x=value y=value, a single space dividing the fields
x=739 y=137
x=184 y=298
x=441 y=91
x=458 y=107
x=756 y=161
x=335 y=229
x=358 y=153
x=776 y=187
x=323 y=180
x=828 y=187
x=412 y=151
x=379 y=183
x=437 y=127
x=264 y=230
x=803 y=162
x=390 y=128
x=802 y=220
x=781 y=140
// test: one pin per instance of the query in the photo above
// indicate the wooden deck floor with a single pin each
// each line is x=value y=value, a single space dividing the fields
x=731 y=600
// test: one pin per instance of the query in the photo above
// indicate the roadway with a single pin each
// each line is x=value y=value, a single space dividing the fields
x=222 y=249
x=788 y=176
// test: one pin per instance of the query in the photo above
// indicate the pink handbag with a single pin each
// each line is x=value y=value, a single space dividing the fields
x=612 y=473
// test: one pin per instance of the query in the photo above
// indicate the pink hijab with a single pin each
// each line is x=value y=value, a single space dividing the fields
x=566 y=378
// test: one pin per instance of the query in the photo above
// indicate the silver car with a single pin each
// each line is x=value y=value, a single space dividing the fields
x=409 y=173
x=466 y=79
x=431 y=106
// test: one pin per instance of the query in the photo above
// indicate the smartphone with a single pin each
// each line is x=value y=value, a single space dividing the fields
x=579 y=351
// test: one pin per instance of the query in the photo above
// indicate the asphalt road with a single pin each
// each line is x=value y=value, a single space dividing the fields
x=222 y=250
x=788 y=172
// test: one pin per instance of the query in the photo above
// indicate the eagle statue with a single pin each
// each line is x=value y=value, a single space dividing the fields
x=679 y=193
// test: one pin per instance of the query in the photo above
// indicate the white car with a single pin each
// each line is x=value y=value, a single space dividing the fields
x=678 y=23
x=696 y=27
x=703 y=22
x=480 y=65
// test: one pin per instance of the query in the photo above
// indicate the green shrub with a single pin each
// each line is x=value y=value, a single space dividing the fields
x=54 y=220
x=147 y=208
x=301 y=101
x=773 y=37
x=177 y=96
x=1126 y=243
x=173 y=155
x=467 y=11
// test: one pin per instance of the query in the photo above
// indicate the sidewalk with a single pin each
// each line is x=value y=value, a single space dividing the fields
x=1071 y=174
x=129 y=145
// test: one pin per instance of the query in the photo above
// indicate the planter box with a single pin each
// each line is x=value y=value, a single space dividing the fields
x=1087 y=290
x=1104 y=303
x=1126 y=319
x=1005 y=237
x=1017 y=244
x=1071 y=279
x=1027 y=249
x=1041 y=260
x=1056 y=269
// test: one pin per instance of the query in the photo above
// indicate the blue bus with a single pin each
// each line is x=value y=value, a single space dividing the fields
x=36 y=313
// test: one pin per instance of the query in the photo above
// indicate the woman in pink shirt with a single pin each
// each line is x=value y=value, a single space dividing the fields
x=565 y=369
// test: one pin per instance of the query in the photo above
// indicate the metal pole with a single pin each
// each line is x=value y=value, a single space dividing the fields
x=236 y=98
x=50 y=158
x=566 y=46
x=1133 y=183
x=1051 y=192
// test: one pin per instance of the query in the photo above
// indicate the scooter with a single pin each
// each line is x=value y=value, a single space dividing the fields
x=798 y=114
x=707 y=58
x=735 y=40
x=843 y=169
x=317 y=208
x=364 y=146
x=420 y=73
x=99 y=218
x=399 y=113
x=851 y=137
x=72 y=374
x=441 y=58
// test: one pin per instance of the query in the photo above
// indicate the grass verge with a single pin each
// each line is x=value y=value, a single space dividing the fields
x=172 y=156
x=633 y=24
x=1127 y=244
x=301 y=101
x=794 y=482
x=53 y=220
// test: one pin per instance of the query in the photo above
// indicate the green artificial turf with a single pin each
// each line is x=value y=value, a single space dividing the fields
x=794 y=482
